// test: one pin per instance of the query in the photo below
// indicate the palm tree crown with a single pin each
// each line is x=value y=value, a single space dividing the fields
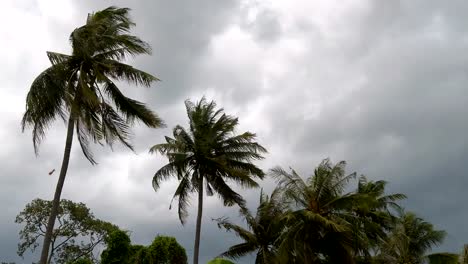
x=209 y=151
x=264 y=229
x=210 y=154
x=410 y=240
x=82 y=85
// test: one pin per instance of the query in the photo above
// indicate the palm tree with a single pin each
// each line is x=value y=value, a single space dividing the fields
x=208 y=153
x=373 y=216
x=318 y=228
x=81 y=88
x=264 y=229
x=409 y=241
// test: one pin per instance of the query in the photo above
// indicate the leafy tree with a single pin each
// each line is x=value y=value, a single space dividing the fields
x=77 y=235
x=118 y=248
x=80 y=88
x=82 y=261
x=208 y=154
x=166 y=250
x=163 y=250
x=264 y=229
x=410 y=240
x=220 y=261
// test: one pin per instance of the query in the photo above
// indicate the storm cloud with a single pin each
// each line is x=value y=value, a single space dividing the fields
x=380 y=84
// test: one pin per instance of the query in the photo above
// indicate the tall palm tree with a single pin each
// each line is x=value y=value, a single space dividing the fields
x=210 y=154
x=264 y=229
x=318 y=228
x=409 y=241
x=81 y=88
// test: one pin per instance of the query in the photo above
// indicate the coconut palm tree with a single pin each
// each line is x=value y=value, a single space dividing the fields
x=80 y=89
x=318 y=228
x=374 y=216
x=410 y=240
x=264 y=229
x=208 y=154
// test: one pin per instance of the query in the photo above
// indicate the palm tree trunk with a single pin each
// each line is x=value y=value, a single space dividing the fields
x=196 y=248
x=58 y=192
x=51 y=254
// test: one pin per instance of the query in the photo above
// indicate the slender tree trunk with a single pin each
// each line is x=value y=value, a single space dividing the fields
x=51 y=254
x=196 y=248
x=58 y=191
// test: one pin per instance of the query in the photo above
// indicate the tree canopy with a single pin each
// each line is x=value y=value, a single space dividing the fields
x=77 y=234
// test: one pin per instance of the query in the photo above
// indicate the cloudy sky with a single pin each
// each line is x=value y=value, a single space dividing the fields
x=380 y=84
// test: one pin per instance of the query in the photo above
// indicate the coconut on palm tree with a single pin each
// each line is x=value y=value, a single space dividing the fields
x=81 y=89
x=264 y=229
x=207 y=156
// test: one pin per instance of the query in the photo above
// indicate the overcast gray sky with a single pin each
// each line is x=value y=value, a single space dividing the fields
x=380 y=84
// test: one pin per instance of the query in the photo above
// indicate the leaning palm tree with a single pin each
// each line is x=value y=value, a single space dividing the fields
x=318 y=228
x=410 y=240
x=80 y=89
x=210 y=154
x=264 y=229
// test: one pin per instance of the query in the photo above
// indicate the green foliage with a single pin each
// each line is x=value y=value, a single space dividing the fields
x=163 y=250
x=166 y=250
x=315 y=220
x=118 y=248
x=410 y=239
x=264 y=229
x=76 y=235
x=319 y=227
x=82 y=261
x=220 y=261
x=443 y=258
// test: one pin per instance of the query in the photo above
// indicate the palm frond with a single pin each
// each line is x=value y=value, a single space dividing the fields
x=58 y=58
x=182 y=194
x=114 y=127
x=239 y=250
x=225 y=192
x=169 y=170
x=131 y=109
x=238 y=230
x=83 y=139
x=124 y=72
x=45 y=102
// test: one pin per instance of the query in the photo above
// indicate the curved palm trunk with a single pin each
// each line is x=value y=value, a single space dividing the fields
x=196 y=248
x=58 y=192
